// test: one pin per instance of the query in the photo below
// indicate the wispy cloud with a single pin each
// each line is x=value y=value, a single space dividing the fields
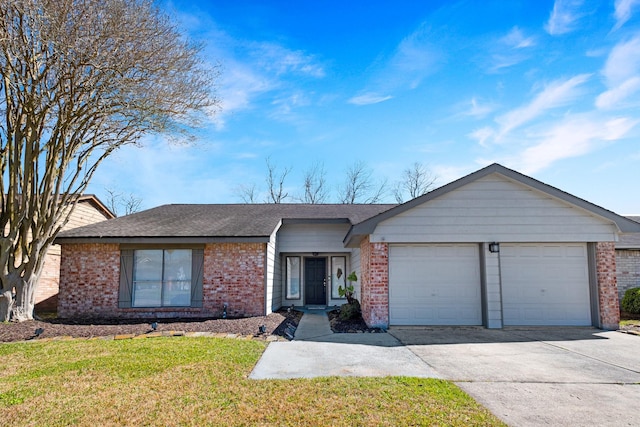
x=477 y=109
x=413 y=59
x=574 y=136
x=368 y=99
x=280 y=60
x=564 y=17
x=482 y=135
x=517 y=40
x=623 y=11
x=556 y=94
x=621 y=73
x=509 y=50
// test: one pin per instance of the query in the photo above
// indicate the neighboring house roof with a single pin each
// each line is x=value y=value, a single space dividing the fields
x=96 y=203
x=630 y=240
x=358 y=231
x=199 y=223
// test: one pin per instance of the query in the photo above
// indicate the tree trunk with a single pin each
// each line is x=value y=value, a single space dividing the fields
x=6 y=303
x=25 y=300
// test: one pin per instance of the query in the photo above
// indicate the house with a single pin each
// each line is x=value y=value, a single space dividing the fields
x=628 y=261
x=494 y=248
x=89 y=210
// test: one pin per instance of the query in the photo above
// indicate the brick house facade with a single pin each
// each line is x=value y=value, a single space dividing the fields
x=250 y=260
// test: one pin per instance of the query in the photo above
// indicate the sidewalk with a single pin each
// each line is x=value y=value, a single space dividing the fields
x=317 y=352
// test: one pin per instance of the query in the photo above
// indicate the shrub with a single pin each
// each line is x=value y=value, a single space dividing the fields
x=631 y=301
x=350 y=310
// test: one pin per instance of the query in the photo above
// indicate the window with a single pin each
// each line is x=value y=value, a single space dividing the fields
x=153 y=277
x=162 y=278
x=338 y=276
x=293 y=277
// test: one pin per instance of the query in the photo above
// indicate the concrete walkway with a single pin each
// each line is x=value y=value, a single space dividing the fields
x=317 y=352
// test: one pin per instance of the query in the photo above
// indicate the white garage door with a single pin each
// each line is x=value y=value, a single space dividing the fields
x=545 y=284
x=434 y=285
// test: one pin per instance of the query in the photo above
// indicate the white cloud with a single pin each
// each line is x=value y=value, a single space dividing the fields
x=573 y=137
x=556 y=94
x=477 y=109
x=368 y=99
x=564 y=17
x=281 y=60
x=623 y=11
x=517 y=40
x=482 y=135
x=623 y=62
x=615 y=96
x=413 y=59
x=621 y=73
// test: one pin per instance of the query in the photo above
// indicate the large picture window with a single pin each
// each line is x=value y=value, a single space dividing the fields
x=338 y=276
x=162 y=278
x=293 y=277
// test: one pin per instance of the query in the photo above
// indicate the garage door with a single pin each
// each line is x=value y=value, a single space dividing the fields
x=545 y=284
x=434 y=285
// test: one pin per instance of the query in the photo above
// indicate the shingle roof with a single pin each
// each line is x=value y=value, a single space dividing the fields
x=630 y=240
x=216 y=221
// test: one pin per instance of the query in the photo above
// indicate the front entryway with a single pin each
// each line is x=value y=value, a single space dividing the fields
x=315 y=280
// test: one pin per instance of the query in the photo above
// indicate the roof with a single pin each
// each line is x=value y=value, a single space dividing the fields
x=629 y=240
x=93 y=200
x=199 y=223
x=368 y=226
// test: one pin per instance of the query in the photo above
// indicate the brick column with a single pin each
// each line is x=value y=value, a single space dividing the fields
x=607 y=285
x=374 y=284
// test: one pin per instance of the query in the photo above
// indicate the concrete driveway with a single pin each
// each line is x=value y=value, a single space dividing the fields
x=538 y=376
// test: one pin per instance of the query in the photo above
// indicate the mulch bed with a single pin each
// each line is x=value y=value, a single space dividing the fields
x=356 y=325
x=274 y=324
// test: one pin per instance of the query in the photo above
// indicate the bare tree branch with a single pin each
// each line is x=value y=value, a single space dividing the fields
x=315 y=190
x=247 y=193
x=119 y=203
x=275 y=182
x=79 y=79
x=359 y=186
x=416 y=181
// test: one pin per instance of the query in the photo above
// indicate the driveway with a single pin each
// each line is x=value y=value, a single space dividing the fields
x=538 y=376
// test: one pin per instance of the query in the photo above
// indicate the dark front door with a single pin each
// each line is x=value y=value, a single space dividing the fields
x=315 y=271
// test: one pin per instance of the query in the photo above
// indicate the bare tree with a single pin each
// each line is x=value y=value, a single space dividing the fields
x=360 y=187
x=79 y=79
x=247 y=193
x=275 y=182
x=315 y=189
x=119 y=203
x=416 y=181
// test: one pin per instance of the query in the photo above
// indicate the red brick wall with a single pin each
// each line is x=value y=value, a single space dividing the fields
x=607 y=285
x=374 y=285
x=234 y=273
x=90 y=279
x=627 y=270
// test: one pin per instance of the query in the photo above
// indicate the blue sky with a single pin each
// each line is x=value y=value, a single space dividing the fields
x=551 y=89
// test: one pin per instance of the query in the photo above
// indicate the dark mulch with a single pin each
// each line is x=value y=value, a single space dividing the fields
x=274 y=324
x=356 y=325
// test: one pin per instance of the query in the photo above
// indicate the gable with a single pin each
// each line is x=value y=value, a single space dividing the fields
x=495 y=208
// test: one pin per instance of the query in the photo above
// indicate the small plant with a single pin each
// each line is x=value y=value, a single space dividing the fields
x=351 y=309
x=348 y=291
x=631 y=301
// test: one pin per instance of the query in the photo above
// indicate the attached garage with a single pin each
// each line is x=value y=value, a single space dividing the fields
x=545 y=284
x=434 y=285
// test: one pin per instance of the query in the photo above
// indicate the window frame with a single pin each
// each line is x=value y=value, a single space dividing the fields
x=127 y=274
x=336 y=281
x=288 y=294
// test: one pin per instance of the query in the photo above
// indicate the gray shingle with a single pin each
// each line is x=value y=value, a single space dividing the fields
x=229 y=220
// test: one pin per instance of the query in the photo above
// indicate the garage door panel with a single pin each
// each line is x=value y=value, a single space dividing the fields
x=545 y=284
x=434 y=285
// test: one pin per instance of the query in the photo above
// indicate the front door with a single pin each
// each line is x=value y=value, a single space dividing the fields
x=315 y=281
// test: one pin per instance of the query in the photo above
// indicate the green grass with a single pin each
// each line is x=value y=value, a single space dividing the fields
x=203 y=381
x=629 y=322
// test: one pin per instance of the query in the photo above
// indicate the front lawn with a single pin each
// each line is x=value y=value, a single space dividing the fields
x=203 y=381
